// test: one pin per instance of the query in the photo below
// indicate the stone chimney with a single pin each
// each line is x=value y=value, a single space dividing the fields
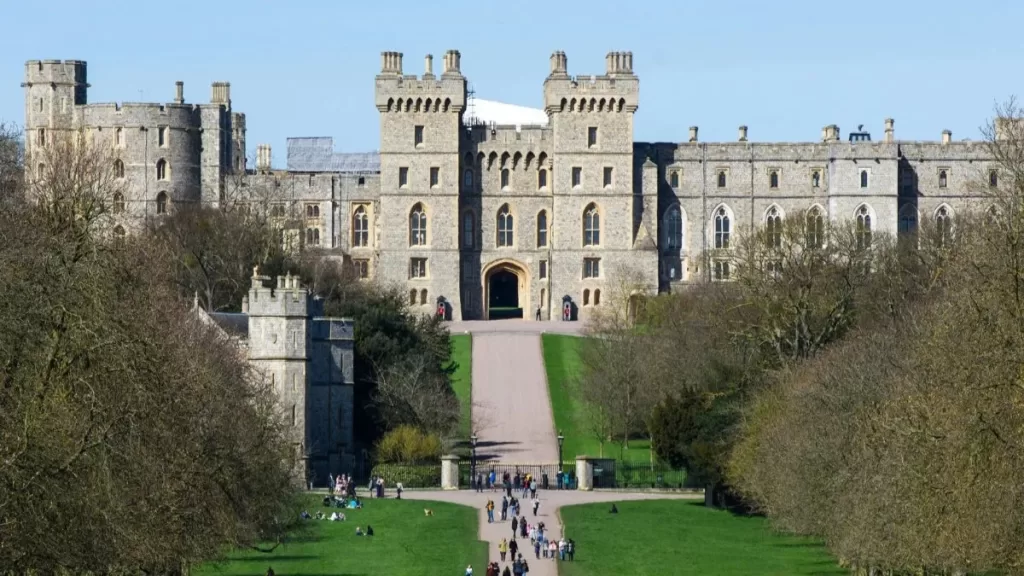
x=947 y=136
x=693 y=133
x=830 y=133
x=889 y=131
x=263 y=158
x=391 y=63
x=428 y=65
x=559 y=63
x=743 y=134
x=221 y=93
x=179 y=92
x=453 y=63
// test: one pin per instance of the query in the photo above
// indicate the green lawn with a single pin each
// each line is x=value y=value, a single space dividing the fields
x=462 y=357
x=405 y=542
x=562 y=362
x=683 y=538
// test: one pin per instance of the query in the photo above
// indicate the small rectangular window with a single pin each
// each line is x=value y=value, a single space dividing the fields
x=543 y=269
x=592 y=137
x=435 y=177
x=607 y=176
x=41 y=140
x=418 y=268
x=591 y=267
x=542 y=179
x=162 y=136
x=577 y=177
x=418 y=136
x=361 y=268
x=721 y=270
x=403 y=177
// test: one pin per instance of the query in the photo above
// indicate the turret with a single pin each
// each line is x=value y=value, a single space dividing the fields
x=52 y=90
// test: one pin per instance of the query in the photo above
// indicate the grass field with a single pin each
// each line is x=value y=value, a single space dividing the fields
x=462 y=357
x=678 y=537
x=562 y=362
x=405 y=543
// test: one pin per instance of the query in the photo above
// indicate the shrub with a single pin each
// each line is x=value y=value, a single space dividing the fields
x=408 y=445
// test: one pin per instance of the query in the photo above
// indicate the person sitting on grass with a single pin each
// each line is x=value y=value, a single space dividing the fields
x=320 y=515
x=369 y=530
x=359 y=531
x=305 y=515
x=614 y=510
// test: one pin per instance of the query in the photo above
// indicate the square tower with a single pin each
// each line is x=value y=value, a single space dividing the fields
x=420 y=123
x=52 y=90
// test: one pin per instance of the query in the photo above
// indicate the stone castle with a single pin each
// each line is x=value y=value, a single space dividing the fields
x=489 y=209
x=308 y=360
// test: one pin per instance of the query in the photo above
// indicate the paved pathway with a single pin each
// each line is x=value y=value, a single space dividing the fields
x=513 y=421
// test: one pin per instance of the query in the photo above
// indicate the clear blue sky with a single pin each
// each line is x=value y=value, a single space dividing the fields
x=306 y=67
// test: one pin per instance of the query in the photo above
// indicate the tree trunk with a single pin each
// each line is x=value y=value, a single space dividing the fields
x=709 y=495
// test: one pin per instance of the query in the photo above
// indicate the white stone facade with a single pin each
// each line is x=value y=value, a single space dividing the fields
x=480 y=191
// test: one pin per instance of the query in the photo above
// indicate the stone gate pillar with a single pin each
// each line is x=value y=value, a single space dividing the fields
x=450 y=472
x=584 y=473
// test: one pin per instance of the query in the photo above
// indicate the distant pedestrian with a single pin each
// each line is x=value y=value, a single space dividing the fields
x=504 y=508
x=536 y=548
x=490 y=480
x=536 y=506
x=513 y=547
x=503 y=549
x=570 y=549
x=538 y=313
x=490 y=511
x=515 y=524
x=469 y=570
x=398 y=489
x=533 y=488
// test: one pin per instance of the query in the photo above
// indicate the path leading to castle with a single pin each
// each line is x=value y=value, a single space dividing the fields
x=514 y=425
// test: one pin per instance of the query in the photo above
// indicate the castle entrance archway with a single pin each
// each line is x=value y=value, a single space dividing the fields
x=506 y=290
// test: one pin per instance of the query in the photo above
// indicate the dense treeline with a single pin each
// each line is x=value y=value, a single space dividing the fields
x=134 y=439
x=850 y=386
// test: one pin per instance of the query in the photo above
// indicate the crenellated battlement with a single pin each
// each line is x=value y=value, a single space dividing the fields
x=407 y=93
x=617 y=90
x=286 y=298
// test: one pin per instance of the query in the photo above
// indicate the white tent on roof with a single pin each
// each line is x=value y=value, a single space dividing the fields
x=489 y=111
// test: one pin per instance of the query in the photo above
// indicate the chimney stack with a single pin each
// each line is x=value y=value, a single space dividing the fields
x=453 y=63
x=428 y=65
x=743 y=133
x=693 y=133
x=559 y=63
x=391 y=63
x=947 y=136
x=263 y=158
x=179 y=92
x=830 y=133
x=221 y=93
x=889 y=131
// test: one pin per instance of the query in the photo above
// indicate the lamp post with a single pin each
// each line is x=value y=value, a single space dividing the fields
x=560 y=440
x=472 y=461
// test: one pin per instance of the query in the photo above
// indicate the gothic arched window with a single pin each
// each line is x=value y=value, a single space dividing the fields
x=674 y=228
x=815 y=228
x=542 y=229
x=360 y=228
x=506 y=227
x=161 y=203
x=591 y=226
x=468 y=230
x=723 y=228
x=418 y=226
x=118 y=203
x=773 y=228
x=863 y=226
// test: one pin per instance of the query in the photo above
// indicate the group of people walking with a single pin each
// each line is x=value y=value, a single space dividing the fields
x=509 y=549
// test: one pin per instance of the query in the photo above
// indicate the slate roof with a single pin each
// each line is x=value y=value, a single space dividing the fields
x=318 y=155
x=234 y=323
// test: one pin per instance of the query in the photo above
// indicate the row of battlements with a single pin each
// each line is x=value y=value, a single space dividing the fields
x=615 y=64
x=832 y=133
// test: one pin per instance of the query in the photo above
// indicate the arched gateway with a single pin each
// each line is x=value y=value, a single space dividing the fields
x=506 y=286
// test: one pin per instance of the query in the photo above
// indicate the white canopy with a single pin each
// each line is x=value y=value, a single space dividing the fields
x=489 y=111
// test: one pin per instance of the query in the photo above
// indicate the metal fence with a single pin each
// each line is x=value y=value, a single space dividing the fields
x=410 y=475
x=642 y=475
x=550 y=472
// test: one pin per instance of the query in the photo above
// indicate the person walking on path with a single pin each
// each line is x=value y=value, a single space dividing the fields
x=490 y=511
x=506 y=572
x=536 y=548
x=479 y=482
x=533 y=488
x=503 y=549
x=504 y=508
x=515 y=524
x=561 y=548
x=570 y=549
x=552 y=549
x=490 y=480
x=513 y=547
x=523 y=529
x=536 y=506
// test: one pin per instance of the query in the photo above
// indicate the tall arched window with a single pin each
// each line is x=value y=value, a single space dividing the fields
x=993 y=178
x=773 y=228
x=504 y=178
x=773 y=179
x=674 y=228
x=942 y=178
x=542 y=229
x=312 y=236
x=597 y=297
x=467 y=179
x=943 y=225
x=161 y=203
x=506 y=227
x=423 y=296
x=815 y=179
x=863 y=226
x=412 y=297
x=118 y=169
x=418 y=226
x=360 y=228
x=118 y=203
x=722 y=228
x=863 y=178
x=468 y=230
x=815 y=228
x=673 y=179
x=161 y=169
x=721 y=179
x=542 y=178
x=591 y=226
x=907 y=224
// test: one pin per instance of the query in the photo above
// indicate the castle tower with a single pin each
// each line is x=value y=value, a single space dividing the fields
x=279 y=346
x=218 y=142
x=591 y=117
x=52 y=90
x=420 y=124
